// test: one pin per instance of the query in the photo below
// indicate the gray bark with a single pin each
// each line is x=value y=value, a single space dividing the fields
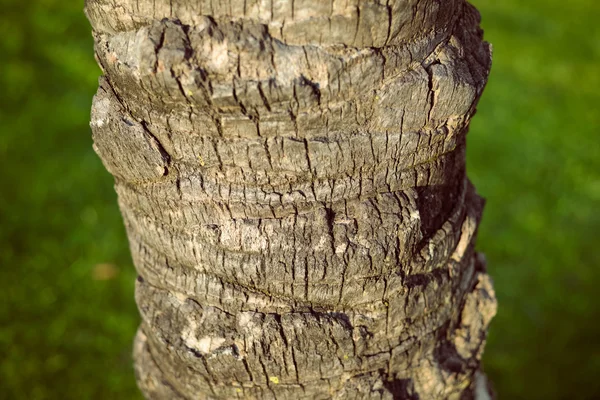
x=292 y=178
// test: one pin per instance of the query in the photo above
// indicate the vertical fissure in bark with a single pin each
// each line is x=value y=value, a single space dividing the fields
x=292 y=181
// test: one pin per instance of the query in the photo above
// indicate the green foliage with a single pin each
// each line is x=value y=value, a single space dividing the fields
x=67 y=315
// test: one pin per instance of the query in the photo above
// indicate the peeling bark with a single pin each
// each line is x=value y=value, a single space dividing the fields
x=292 y=179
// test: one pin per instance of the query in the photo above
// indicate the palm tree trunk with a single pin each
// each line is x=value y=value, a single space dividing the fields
x=292 y=179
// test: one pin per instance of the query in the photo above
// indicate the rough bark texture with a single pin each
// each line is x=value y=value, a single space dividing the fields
x=292 y=178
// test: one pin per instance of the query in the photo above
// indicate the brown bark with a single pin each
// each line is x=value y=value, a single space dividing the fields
x=292 y=179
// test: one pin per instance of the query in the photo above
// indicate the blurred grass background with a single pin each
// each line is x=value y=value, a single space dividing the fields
x=67 y=315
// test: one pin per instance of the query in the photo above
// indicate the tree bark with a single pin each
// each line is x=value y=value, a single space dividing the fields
x=291 y=174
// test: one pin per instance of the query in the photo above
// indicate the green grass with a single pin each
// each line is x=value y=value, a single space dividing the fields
x=65 y=333
x=534 y=154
